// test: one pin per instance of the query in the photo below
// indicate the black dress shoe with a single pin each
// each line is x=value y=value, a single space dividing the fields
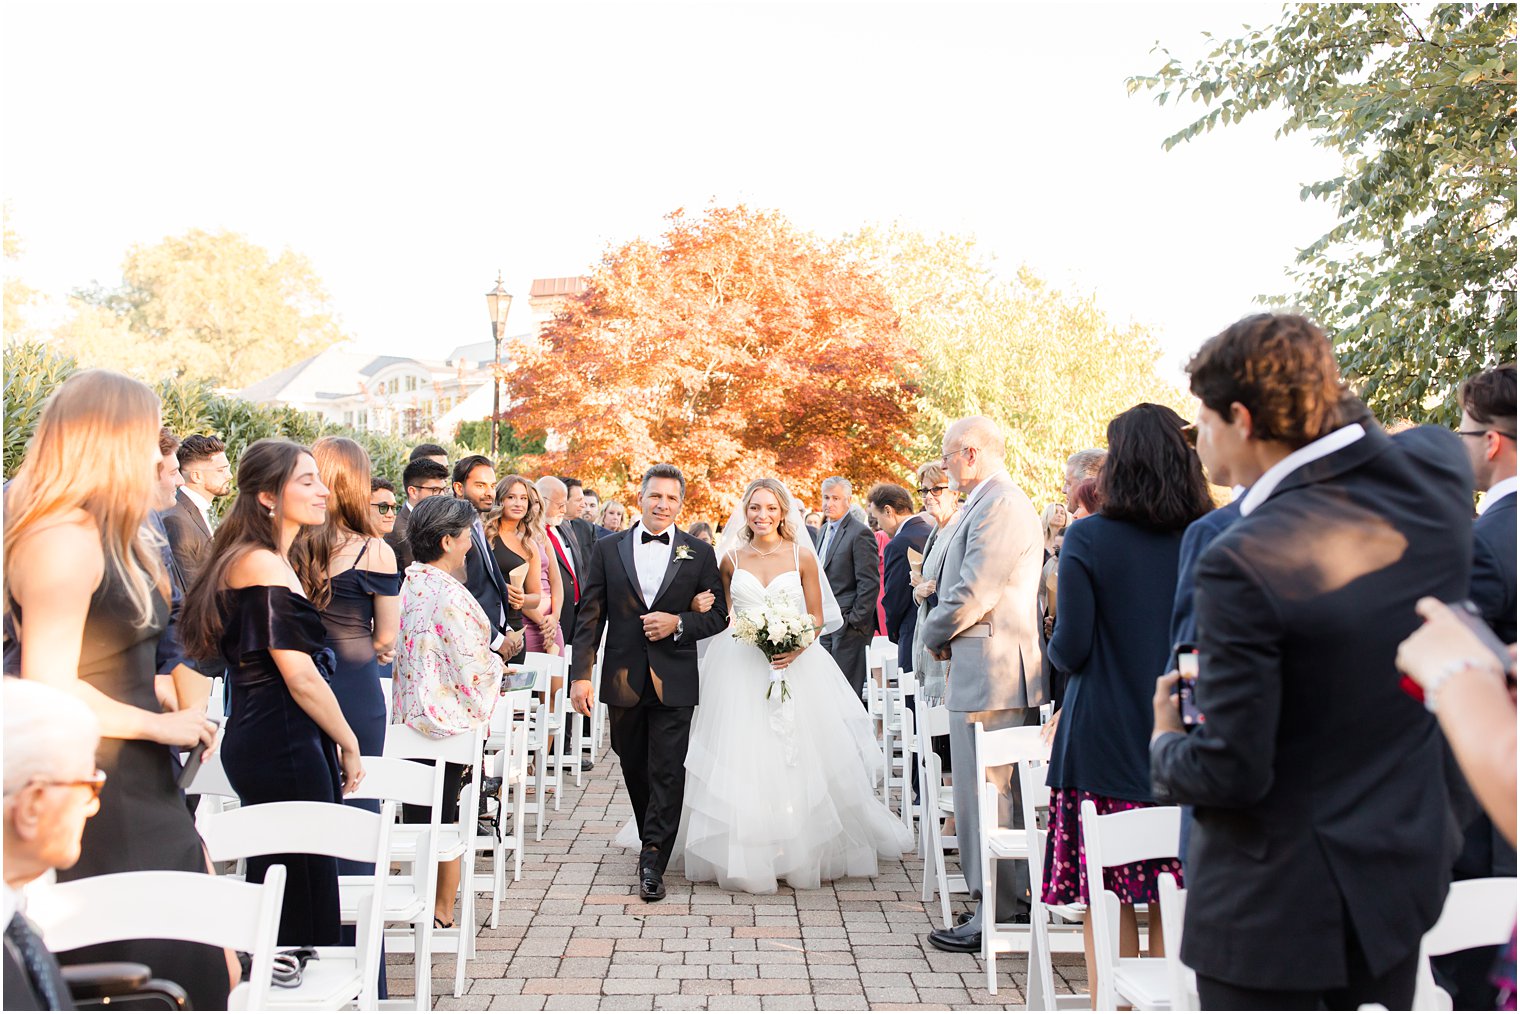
x=947 y=941
x=963 y=918
x=587 y=763
x=651 y=885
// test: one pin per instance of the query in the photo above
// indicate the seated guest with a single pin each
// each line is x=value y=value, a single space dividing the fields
x=51 y=788
x=423 y=477
x=383 y=505
x=205 y=476
x=1319 y=785
x=286 y=736
x=447 y=676
x=611 y=519
x=701 y=530
x=429 y=452
x=1118 y=570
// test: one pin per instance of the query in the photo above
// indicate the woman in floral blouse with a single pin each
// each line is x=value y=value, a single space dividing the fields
x=447 y=677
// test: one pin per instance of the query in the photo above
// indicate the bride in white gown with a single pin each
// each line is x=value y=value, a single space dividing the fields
x=779 y=791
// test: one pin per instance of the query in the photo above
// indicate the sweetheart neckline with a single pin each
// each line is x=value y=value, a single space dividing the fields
x=766 y=584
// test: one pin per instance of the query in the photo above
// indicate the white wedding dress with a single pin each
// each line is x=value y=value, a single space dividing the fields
x=779 y=792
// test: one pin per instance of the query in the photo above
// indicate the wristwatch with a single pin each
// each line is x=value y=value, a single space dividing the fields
x=680 y=626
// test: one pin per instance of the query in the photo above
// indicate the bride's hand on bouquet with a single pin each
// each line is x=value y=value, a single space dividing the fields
x=703 y=602
x=782 y=661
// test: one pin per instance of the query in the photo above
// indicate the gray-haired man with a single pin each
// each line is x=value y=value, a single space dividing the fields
x=852 y=564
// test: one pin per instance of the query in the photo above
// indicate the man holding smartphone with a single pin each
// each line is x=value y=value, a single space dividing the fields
x=1322 y=837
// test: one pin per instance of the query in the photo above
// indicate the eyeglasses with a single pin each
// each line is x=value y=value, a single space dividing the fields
x=430 y=490
x=94 y=783
x=1190 y=434
x=928 y=491
x=385 y=508
x=1483 y=433
x=949 y=456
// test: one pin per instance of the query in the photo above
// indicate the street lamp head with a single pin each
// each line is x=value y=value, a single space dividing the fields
x=498 y=302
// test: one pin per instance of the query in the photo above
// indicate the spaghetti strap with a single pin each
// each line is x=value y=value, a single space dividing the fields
x=360 y=558
x=796 y=557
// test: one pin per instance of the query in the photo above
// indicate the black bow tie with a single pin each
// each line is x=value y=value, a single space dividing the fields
x=662 y=537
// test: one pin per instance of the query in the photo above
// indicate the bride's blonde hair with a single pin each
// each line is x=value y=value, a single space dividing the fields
x=784 y=528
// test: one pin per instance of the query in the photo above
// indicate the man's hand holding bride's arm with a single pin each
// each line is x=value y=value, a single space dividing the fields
x=702 y=622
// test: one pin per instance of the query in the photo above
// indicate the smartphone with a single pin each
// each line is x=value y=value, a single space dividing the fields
x=1186 y=664
x=193 y=761
x=1473 y=619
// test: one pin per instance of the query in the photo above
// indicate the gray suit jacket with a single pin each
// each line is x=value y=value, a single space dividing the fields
x=189 y=536
x=988 y=611
x=853 y=570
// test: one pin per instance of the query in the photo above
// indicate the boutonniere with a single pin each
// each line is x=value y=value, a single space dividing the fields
x=683 y=552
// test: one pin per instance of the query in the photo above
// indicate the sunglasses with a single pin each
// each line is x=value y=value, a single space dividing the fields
x=1483 y=433
x=932 y=490
x=385 y=508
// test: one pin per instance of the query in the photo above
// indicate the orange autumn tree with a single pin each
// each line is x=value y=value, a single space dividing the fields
x=733 y=347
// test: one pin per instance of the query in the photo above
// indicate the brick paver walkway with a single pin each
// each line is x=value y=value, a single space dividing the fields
x=574 y=935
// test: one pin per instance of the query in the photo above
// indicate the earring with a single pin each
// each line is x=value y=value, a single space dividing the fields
x=271 y=512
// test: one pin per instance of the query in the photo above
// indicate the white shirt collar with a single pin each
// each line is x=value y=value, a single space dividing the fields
x=1325 y=446
x=12 y=902
x=978 y=487
x=197 y=499
x=1496 y=492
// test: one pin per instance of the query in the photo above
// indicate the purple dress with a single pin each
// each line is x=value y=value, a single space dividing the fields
x=531 y=636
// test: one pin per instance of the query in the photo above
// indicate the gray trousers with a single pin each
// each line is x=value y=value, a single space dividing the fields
x=1013 y=876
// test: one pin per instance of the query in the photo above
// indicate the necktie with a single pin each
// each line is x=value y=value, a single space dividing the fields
x=828 y=539
x=662 y=537
x=39 y=967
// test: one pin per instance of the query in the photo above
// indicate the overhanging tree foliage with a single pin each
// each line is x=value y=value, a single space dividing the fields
x=1416 y=281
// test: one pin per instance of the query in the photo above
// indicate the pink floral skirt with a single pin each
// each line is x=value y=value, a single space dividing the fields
x=1066 y=859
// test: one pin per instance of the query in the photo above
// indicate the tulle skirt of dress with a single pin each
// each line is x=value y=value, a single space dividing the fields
x=781 y=792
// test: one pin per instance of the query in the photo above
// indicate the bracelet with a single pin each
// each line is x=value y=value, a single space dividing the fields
x=1446 y=672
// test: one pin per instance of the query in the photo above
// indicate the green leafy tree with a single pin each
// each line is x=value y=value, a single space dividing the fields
x=514 y=449
x=1416 y=281
x=204 y=307
x=18 y=295
x=1048 y=365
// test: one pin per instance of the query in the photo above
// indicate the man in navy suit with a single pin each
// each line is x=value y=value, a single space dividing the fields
x=892 y=507
x=1488 y=435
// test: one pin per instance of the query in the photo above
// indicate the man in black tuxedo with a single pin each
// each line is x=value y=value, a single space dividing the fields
x=475 y=481
x=422 y=478
x=892 y=507
x=852 y=565
x=639 y=587
x=207 y=475
x=1323 y=837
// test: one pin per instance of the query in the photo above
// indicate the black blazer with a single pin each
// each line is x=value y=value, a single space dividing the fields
x=585 y=535
x=611 y=598
x=1318 y=782
x=854 y=572
x=1493 y=577
x=189 y=536
x=897 y=596
x=483 y=578
x=569 y=610
x=398 y=541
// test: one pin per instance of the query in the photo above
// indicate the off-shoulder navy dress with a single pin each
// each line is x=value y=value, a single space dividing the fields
x=273 y=751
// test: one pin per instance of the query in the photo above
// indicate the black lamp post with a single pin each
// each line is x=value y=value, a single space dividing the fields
x=498 y=301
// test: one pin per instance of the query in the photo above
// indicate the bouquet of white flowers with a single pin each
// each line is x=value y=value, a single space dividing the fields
x=776 y=629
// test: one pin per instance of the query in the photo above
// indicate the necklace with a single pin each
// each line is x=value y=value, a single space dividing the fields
x=773 y=551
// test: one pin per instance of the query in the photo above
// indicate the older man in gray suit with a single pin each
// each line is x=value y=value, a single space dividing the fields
x=986 y=624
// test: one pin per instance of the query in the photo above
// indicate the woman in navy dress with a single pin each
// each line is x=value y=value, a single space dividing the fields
x=286 y=736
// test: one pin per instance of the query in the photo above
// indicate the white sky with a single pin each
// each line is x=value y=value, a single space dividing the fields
x=411 y=149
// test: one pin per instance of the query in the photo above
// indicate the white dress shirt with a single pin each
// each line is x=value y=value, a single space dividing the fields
x=1321 y=448
x=202 y=504
x=1496 y=492
x=651 y=560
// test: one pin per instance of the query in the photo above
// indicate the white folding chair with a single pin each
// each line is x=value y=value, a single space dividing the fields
x=1477 y=913
x=936 y=804
x=387 y=687
x=999 y=748
x=169 y=905
x=452 y=841
x=507 y=749
x=1119 y=839
x=904 y=744
x=546 y=775
x=340 y=976
x=211 y=784
x=564 y=729
x=1184 y=983
x=408 y=899
x=1049 y=925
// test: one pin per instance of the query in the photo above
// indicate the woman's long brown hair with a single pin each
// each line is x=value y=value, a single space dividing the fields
x=345 y=470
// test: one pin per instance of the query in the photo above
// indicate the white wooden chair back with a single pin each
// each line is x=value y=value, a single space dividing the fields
x=1477 y=913
x=543 y=666
x=409 y=744
x=169 y=905
x=387 y=687
x=1119 y=839
x=1173 y=909
x=935 y=804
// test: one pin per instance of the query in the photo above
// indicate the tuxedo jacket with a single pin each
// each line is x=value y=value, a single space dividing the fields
x=1319 y=785
x=484 y=580
x=611 y=599
x=1493 y=577
x=398 y=541
x=853 y=570
x=569 y=582
x=189 y=536
x=897 y=593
